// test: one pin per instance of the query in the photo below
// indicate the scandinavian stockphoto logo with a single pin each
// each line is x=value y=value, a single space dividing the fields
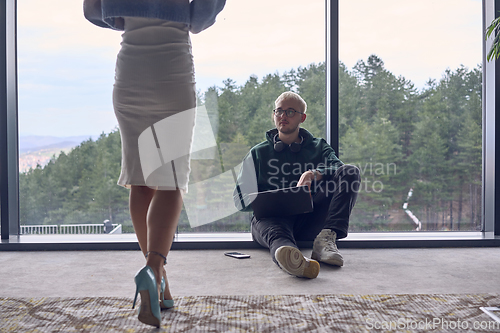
x=166 y=150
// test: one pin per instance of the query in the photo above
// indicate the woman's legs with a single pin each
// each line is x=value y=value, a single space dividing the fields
x=139 y=201
x=163 y=217
x=155 y=215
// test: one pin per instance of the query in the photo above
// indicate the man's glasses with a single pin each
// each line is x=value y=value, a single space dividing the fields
x=289 y=113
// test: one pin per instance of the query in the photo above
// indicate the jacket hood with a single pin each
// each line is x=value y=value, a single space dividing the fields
x=302 y=133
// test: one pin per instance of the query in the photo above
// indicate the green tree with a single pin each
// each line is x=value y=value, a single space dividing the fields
x=311 y=86
x=375 y=149
x=400 y=137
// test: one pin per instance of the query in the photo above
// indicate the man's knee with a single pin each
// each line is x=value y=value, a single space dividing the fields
x=351 y=177
x=350 y=171
x=347 y=178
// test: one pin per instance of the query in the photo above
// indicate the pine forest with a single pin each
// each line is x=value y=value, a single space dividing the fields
x=419 y=151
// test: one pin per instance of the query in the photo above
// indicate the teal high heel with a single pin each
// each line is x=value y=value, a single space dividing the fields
x=165 y=303
x=149 y=311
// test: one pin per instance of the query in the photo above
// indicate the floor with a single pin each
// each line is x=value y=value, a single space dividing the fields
x=209 y=272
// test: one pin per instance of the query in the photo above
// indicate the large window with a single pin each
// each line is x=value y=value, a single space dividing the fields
x=410 y=108
x=413 y=110
x=69 y=140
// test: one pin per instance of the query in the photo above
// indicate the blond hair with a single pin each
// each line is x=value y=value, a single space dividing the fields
x=293 y=96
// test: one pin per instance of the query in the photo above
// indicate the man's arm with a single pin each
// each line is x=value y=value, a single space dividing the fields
x=330 y=162
x=325 y=170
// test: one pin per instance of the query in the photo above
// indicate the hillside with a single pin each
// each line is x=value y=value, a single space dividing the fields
x=36 y=149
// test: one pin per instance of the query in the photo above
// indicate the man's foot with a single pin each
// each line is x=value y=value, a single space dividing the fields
x=291 y=260
x=325 y=249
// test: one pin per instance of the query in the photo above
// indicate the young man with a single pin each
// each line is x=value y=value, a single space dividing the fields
x=291 y=156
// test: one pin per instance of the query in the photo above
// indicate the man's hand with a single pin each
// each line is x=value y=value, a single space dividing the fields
x=307 y=178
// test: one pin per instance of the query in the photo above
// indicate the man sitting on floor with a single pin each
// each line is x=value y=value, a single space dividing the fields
x=291 y=156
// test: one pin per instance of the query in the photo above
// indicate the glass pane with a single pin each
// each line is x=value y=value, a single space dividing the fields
x=410 y=112
x=243 y=63
x=70 y=146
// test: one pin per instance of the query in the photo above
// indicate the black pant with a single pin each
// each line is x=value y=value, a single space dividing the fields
x=333 y=202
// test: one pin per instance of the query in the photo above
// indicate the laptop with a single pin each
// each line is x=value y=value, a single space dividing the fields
x=281 y=202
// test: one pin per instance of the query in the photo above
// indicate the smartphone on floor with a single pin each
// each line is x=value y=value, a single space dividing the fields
x=237 y=255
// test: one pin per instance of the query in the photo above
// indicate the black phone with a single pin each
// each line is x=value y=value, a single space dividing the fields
x=237 y=255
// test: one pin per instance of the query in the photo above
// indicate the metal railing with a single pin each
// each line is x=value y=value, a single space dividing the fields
x=39 y=229
x=71 y=229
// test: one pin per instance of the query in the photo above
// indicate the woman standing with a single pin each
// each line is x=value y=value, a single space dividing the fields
x=154 y=84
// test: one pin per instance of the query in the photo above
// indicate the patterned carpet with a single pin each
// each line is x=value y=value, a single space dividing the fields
x=306 y=313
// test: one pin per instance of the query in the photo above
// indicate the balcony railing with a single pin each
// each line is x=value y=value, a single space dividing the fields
x=71 y=229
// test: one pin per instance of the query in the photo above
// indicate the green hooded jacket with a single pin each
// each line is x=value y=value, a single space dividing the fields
x=264 y=168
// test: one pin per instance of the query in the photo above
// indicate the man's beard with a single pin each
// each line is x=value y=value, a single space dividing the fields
x=290 y=130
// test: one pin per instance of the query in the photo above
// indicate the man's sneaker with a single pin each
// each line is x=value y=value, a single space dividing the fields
x=291 y=260
x=325 y=249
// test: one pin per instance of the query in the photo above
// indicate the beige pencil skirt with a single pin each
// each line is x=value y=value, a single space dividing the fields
x=154 y=99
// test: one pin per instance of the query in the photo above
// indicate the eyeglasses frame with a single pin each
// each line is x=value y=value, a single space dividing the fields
x=286 y=112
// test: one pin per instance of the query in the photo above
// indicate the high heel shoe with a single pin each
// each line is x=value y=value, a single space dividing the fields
x=149 y=311
x=165 y=303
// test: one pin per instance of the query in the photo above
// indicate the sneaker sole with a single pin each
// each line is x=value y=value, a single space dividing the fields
x=334 y=262
x=292 y=261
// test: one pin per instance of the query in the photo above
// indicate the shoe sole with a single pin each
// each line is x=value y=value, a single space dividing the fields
x=145 y=314
x=334 y=262
x=292 y=261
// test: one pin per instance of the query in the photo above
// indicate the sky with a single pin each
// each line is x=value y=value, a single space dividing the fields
x=66 y=64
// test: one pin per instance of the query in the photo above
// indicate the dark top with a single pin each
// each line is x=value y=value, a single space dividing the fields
x=264 y=168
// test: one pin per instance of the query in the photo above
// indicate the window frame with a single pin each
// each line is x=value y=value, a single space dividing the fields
x=9 y=157
x=491 y=150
